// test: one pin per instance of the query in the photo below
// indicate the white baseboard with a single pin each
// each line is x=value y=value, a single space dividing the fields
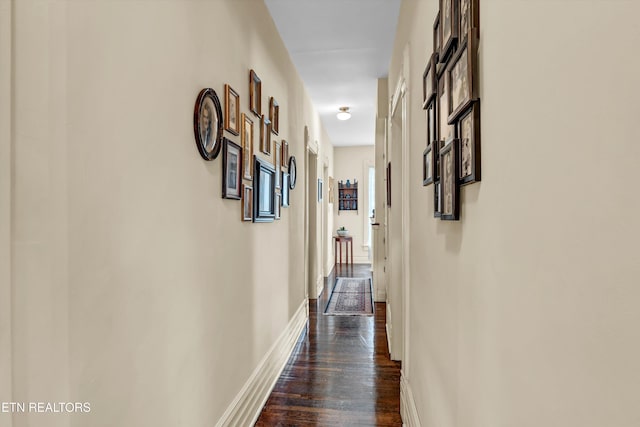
x=381 y=295
x=389 y=329
x=246 y=407
x=408 y=409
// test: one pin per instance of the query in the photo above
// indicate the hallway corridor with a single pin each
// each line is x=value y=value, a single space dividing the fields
x=339 y=373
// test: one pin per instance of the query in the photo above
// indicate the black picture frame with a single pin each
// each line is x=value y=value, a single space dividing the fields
x=427 y=166
x=285 y=190
x=437 y=198
x=448 y=28
x=432 y=122
x=461 y=76
x=469 y=136
x=208 y=124
x=389 y=184
x=446 y=131
x=450 y=191
x=429 y=83
x=264 y=190
x=436 y=38
x=319 y=190
x=231 y=170
x=255 y=94
x=293 y=172
x=468 y=17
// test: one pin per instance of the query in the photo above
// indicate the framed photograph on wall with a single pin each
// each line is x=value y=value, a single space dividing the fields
x=278 y=205
x=432 y=124
x=427 y=166
x=255 y=93
x=437 y=199
x=469 y=135
x=208 y=124
x=429 y=83
x=247 y=202
x=265 y=135
x=264 y=190
x=231 y=110
x=231 y=170
x=285 y=155
x=277 y=159
x=449 y=179
x=274 y=115
x=436 y=38
x=449 y=28
x=293 y=171
x=389 y=184
x=445 y=130
x=468 y=18
x=462 y=87
x=285 y=189
x=319 y=190
x=247 y=146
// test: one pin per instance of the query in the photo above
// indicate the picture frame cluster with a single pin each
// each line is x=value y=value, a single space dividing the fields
x=259 y=177
x=451 y=101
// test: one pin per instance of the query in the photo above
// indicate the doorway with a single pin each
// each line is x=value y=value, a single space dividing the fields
x=313 y=220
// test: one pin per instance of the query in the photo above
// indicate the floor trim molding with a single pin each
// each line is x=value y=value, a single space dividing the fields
x=247 y=405
x=408 y=410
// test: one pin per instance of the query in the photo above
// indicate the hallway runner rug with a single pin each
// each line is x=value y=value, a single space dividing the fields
x=351 y=296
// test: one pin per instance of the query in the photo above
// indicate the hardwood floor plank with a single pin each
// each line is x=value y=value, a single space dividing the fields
x=339 y=373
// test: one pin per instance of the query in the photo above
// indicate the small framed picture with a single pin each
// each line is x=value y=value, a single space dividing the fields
x=437 y=199
x=231 y=110
x=285 y=155
x=436 y=38
x=265 y=135
x=247 y=202
x=449 y=28
x=449 y=179
x=445 y=130
x=469 y=135
x=429 y=83
x=278 y=205
x=427 y=166
x=293 y=172
x=468 y=17
x=435 y=159
x=231 y=170
x=274 y=115
x=264 y=190
x=461 y=79
x=207 y=124
x=389 y=184
x=319 y=190
x=277 y=160
x=247 y=146
x=432 y=126
x=285 y=190
x=255 y=94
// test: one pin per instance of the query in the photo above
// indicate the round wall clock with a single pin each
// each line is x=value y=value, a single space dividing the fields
x=293 y=171
x=207 y=124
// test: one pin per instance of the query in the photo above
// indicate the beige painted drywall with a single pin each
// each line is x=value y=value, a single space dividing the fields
x=524 y=313
x=136 y=287
x=351 y=163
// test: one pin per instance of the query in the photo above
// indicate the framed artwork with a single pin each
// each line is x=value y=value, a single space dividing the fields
x=389 y=184
x=432 y=125
x=449 y=28
x=450 y=192
x=274 y=115
x=264 y=190
x=247 y=202
x=445 y=130
x=469 y=135
x=436 y=38
x=207 y=124
x=429 y=83
x=278 y=205
x=231 y=110
x=468 y=17
x=437 y=199
x=231 y=170
x=293 y=172
x=331 y=186
x=247 y=146
x=461 y=79
x=265 y=135
x=255 y=94
x=427 y=166
x=277 y=159
x=319 y=190
x=284 y=157
x=285 y=190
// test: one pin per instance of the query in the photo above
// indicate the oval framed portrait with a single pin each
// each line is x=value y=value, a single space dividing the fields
x=293 y=172
x=208 y=124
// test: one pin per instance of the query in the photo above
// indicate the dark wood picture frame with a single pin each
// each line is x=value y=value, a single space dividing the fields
x=432 y=122
x=449 y=174
x=469 y=136
x=437 y=45
x=265 y=135
x=231 y=170
x=293 y=172
x=285 y=155
x=468 y=17
x=231 y=110
x=427 y=166
x=274 y=115
x=429 y=83
x=264 y=191
x=461 y=76
x=247 y=202
x=208 y=124
x=389 y=184
x=255 y=93
x=247 y=147
x=437 y=199
x=448 y=28
x=285 y=189
x=446 y=131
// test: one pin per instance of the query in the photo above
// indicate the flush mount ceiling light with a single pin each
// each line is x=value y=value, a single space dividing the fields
x=344 y=114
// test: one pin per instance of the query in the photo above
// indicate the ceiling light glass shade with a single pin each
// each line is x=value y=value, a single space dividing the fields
x=344 y=114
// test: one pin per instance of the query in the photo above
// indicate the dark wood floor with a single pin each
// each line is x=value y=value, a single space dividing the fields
x=340 y=373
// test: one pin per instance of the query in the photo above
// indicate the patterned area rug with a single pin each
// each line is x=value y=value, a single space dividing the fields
x=351 y=296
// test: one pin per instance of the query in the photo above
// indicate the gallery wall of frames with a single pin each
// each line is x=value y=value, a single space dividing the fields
x=451 y=158
x=260 y=179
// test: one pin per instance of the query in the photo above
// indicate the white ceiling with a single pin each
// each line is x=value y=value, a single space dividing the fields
x=340 y=48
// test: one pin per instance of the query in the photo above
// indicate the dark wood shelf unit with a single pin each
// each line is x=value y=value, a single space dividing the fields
x=347 y=197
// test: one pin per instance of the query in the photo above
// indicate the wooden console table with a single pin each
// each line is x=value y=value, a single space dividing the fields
x=338 y=240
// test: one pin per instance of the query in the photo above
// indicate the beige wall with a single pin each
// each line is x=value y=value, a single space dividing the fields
x=524 y=313
x=353 y=163
x=136 y=287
